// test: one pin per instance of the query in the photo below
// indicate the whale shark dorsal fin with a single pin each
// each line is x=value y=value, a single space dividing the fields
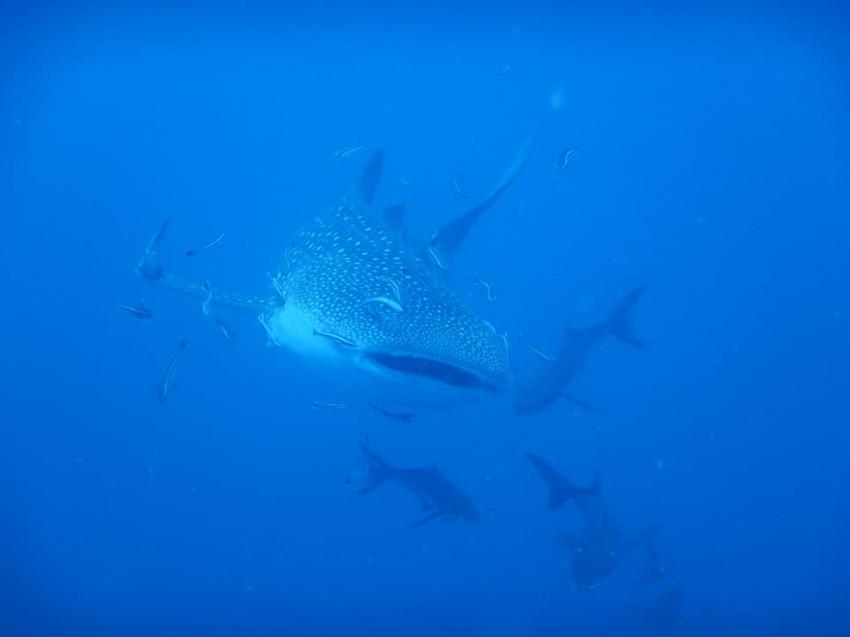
x=370 y=177
x=446 y=241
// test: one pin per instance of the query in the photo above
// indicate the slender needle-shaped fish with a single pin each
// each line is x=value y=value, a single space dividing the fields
x=139 y=311
x=347 y=151
x=205 y=247
x=403 y=416
x=165 y=387
x=541 y=354
x=491 y=296
x=335 y=338
x=228 y=333
x=563 y=159
x=458 y=184
x=321 y=405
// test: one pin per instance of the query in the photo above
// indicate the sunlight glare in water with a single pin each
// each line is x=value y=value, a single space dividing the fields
x=556 y=99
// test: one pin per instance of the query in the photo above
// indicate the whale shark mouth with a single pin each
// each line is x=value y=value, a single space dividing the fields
x=430 y=369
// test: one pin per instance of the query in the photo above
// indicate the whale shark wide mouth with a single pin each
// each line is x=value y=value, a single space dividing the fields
x=430 y=369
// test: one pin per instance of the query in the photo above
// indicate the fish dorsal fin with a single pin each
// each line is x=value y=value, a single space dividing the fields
x=446 y=241
x=394 y=217
x=370 y=177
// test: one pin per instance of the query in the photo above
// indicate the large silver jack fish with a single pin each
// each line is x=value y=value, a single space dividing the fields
x=353 y=292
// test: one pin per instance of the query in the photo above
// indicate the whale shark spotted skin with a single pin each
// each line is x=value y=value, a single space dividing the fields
x=347 y=256
x=353 y=289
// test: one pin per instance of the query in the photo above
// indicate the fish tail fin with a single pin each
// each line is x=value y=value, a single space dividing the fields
x=619 y=322
x=561 y=490
x=149 y=266
x=379 y=470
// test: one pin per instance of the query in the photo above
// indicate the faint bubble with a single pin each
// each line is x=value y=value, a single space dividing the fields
x=556 y=99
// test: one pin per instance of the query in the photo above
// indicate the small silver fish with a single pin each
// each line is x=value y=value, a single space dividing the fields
x=403 y=416
x=347 y=151
x=206 y=305
x=541 y=354
x=277 y=286
x=320 y=405
x=204 y=248
x=491 y=296
x=395 y=288
x=563 y=159
x=504 y=68
x=228 y=334
x=507 y=345
x=404 y=181
x=435 y=257
x=459 y=187
x=339 y=340
x=167 y=384
x=390 y=303
x=139 y=311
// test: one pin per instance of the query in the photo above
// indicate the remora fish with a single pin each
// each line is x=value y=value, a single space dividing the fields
x=563 y=160
x=347 y=151
x=139 y=311
x=164 y=388
x=225 y=330
x=459 y=186
x=438 y=347
x=550 y=382
x=438 y=497
x=205 y=247
x=599 y=547
x=403 y=416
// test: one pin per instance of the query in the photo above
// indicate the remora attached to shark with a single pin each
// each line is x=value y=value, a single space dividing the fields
x=353 y=290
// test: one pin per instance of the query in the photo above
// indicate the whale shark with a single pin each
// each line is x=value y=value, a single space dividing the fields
x=354 y=291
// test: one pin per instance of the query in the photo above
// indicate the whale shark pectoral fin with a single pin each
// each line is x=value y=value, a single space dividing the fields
x=446 y=241
x=370 y=177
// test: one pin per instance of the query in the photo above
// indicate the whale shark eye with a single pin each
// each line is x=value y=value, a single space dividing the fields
x=429 y=368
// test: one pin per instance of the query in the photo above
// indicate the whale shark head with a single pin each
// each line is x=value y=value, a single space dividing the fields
x=353 y=291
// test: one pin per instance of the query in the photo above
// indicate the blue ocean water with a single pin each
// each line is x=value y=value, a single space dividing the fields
x=707 y=161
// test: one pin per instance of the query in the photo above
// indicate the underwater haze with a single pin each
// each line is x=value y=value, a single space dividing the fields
x=591 y=379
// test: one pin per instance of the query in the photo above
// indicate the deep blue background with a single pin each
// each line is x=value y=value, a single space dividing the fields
x=711 y=163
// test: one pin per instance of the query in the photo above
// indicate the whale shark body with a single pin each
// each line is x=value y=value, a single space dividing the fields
x=353 y=291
